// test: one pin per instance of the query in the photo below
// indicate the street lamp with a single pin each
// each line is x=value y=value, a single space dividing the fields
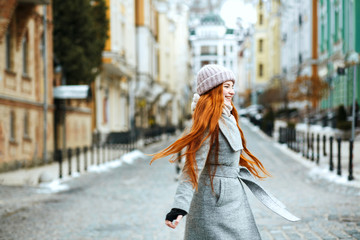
x=352 y=60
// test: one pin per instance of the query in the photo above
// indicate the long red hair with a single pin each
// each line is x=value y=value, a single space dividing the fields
x=206 y=124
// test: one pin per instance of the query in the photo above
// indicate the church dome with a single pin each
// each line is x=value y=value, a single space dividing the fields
x=212 y=19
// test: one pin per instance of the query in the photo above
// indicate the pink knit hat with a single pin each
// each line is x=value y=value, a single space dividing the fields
x=211 y=76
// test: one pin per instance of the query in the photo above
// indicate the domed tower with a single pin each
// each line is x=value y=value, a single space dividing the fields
x=213 y=43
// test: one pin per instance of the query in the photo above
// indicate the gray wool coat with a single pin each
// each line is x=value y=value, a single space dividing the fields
x=225 y=213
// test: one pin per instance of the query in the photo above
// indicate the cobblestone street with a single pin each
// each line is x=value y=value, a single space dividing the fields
x=130 y=202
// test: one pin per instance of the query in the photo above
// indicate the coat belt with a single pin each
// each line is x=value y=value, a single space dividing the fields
x=244 y=175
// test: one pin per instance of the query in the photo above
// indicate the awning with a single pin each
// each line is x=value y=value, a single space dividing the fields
x=141 y=88
x=71 y=92
x=164 y=99
x=116 y=70
x=154 y=92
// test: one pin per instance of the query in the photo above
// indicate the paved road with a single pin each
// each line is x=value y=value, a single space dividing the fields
x=130 y=202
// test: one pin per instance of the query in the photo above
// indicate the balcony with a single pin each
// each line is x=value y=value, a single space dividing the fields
x=38 y=2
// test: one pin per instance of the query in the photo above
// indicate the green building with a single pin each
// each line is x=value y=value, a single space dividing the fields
x=339 y=34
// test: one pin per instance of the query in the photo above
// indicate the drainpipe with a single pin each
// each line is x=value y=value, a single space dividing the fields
x=45 y=158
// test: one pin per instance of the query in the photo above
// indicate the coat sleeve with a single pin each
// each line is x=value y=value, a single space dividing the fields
x=185 y=191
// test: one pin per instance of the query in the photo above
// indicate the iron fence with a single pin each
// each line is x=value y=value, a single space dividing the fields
x=318 y=148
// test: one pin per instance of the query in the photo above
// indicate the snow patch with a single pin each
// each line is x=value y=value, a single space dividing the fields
x=53 y=187
x=130 y=157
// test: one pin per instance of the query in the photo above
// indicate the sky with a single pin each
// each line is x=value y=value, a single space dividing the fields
x=232 y=9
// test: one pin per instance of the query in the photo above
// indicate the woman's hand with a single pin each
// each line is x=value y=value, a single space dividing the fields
x=175 y=214
x=176 y=222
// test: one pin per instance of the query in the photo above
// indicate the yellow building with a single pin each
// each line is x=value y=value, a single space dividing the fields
x=267 y=46
x=26 y=76
x=174 y=65
x=114 y=98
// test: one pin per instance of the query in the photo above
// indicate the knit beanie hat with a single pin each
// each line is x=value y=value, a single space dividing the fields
x=211 y=76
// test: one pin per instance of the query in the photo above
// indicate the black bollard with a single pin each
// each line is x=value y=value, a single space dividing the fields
x=59 y=158
x=69 y=155
x=98 y=154
x=312 y=147
x=324 y=145
x=303 y=144
x=92 y=155
x=318 y=149
x=331 y=163
x=307 y=145
x=103 y=153
x=85 y=158
x=339 y=157
x=351 y=177
x=77 y=150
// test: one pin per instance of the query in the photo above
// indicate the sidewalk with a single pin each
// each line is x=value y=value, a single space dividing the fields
x=320 y=172
x=30 y=177
x=49 y=173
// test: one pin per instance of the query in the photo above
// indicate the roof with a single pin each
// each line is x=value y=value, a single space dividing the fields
x=212 y=19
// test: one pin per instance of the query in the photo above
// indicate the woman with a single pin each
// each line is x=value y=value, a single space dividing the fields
x=211 y=187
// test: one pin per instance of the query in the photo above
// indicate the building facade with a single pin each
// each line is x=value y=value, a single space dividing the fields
x=114 y=93
x=213 y=43
x=26 y=76
x=174 y=63
x=339 y=34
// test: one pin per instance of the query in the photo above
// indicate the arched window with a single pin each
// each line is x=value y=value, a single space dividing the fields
x=261 y=70
x=8 y=50
x=12 y=126
x=26 y=124
x=25 y=55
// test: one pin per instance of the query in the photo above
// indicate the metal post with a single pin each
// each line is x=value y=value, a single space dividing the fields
x=103 y=153
x=92 y=154
x=85 y=158
x=69 y=155
x=98 y=154
x=331 y=163
x=304 y=143
x=307 y=145
x=59 y=158
x=45 y=131
x=324 y=145
x=339 y=157
x=351 y=177
x=353 y=106
x=312 y=147
x=77 y=150
x=318 y=149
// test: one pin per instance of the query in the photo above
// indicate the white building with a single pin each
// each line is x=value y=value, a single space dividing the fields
x=296 y=38
x=174 y=62
x=113 y=94
x=213 y=43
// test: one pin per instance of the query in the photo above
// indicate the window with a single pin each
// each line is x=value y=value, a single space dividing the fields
x=261 y=43
x=208 y=50
x=25 y=55
x=336 y=34
x=26 y=124
x=105 y=110
x=261 y=19
x=261 y=70
x=8 y=52
x=203 y=63
x=12 y=126
x=224 y=50
x=322 y=38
